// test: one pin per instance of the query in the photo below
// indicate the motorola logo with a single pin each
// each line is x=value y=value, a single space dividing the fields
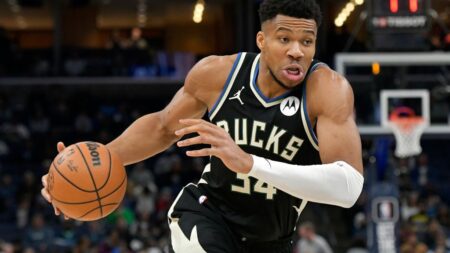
x=290 y=105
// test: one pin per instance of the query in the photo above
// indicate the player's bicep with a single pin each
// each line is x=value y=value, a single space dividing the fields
x=339 y=141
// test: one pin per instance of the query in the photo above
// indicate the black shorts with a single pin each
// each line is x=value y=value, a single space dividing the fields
x=197 y=226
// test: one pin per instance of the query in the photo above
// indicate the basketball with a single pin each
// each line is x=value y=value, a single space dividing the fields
x=87 y=181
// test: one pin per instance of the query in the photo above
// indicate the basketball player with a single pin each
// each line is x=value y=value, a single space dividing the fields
x=280 y=134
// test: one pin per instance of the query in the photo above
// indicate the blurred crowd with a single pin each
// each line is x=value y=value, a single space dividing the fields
x=126 y=54
x=32 y=122
x=424 y=197
x=132 y=53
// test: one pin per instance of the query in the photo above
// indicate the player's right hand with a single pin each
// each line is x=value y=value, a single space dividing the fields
x=44 y=192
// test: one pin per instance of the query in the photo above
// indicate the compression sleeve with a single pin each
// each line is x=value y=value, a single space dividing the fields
x=335 y=183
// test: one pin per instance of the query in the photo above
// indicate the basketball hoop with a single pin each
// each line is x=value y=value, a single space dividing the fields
x=407 y=128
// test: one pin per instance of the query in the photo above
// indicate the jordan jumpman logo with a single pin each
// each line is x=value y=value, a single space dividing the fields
x=237 y=95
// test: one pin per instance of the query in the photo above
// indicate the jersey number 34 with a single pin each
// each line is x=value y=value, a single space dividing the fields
x=260 y=186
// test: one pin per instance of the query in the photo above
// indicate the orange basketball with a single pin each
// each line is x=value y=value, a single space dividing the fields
x=86 y=181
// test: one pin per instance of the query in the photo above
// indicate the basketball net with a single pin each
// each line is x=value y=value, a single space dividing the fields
x=407 y=129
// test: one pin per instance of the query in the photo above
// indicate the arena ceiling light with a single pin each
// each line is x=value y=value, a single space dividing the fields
x=16 y=10
x=198 y=11
x=141 y=13
x=346 y=12
x=21 y=22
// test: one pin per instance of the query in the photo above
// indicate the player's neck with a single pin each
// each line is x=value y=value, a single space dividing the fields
x=267 y=84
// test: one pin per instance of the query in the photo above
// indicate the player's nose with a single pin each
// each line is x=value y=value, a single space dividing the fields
x=295 y=51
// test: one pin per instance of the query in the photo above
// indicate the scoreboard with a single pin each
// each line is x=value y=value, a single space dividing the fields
x=398 y=24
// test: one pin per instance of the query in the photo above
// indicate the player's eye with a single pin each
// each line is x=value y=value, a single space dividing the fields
x=284 y=40
x=307 y=42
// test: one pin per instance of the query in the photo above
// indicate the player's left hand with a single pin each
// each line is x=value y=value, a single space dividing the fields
x=222 y=145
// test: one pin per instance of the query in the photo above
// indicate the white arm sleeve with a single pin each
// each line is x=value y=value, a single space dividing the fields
x=335 y=183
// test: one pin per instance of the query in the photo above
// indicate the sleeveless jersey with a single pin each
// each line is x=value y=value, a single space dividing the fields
x=277 y=129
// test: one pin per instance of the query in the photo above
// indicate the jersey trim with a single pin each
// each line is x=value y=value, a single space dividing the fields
x=228 y=84
x=169 y=213
x=182 y=243
x=205 y=170
x=265 y=101
x=304 y=113
x=179 y=240
x=300 y=208
x=315 y=66
x=307 y=125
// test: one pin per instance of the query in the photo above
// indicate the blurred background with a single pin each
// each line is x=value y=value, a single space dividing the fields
x=74 y=70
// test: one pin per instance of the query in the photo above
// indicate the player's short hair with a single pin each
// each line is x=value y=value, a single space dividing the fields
x=307 y=9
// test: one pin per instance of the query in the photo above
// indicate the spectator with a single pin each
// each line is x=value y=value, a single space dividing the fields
x=412 y=245
x=84 y=245
x=39 y=236
x=136 y=40
x=83 y=123
x=6 y=247
x=39 y=123
x=434 y=230
x=420 y=172
x=113 y=244
x=142 y=176
x=75 y=65
x=145 y=201
x=8 y=192
x=410 y=205
x=310 y=242
x=443 y=216
x=420 y=220
x=116 y=43
x=23 y=212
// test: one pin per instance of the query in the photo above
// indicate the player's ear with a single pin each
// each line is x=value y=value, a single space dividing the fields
x=260 y=40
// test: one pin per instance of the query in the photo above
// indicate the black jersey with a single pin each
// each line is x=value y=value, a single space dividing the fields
x=277 y=129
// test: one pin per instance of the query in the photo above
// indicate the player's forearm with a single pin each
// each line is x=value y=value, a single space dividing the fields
x=334 y=183
x=144 y=138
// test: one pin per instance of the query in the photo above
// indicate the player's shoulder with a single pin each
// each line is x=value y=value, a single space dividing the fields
x=217 y=64
x=217 y=60
x=330 y=90
x=323 y=77
x=324 y=82
x=209 y=75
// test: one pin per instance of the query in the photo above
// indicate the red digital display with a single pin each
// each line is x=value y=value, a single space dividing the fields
x=393 y=6
x=413 y=6
x=399 y=7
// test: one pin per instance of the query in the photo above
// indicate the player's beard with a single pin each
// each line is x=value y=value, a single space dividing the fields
x=279 y=82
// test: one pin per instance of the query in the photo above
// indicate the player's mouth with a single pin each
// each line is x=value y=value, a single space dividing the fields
x=294 y=72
